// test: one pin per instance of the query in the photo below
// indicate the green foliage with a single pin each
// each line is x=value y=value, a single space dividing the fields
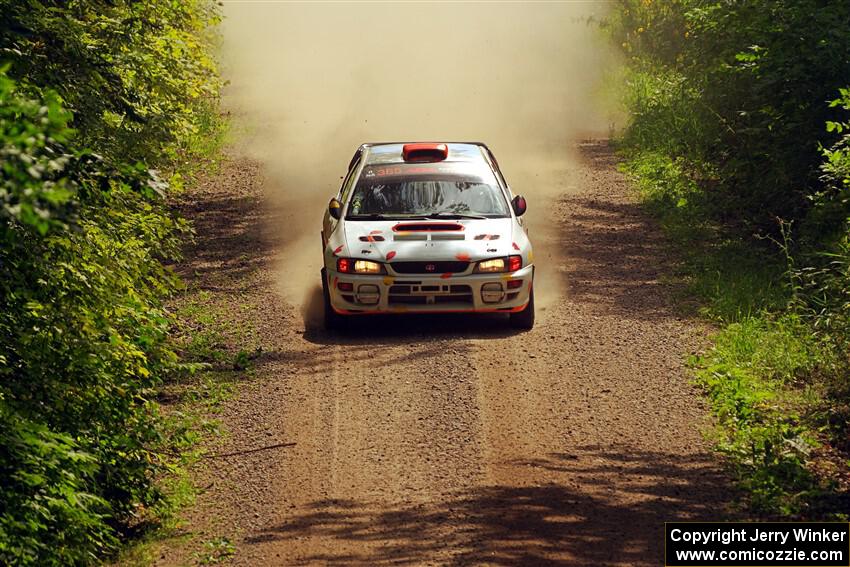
x=771 y=348
x=737 y=91
x=765 y=429
x=34 y=190
x=216 y=551
x=826 y=274
x=93 y=95
x=737 y=148
x=134 y=74
x=49 y=514
x=732 y=279
x=82 y=336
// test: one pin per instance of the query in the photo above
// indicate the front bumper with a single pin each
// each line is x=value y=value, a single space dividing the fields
x=474 y=293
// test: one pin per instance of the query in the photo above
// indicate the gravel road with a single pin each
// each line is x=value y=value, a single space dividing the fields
x=452 y=440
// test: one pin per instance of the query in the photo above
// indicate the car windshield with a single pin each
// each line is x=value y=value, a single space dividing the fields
x=408 y=190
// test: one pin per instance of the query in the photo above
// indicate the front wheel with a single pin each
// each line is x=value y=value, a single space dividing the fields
x=333 y=320
x=524 y=319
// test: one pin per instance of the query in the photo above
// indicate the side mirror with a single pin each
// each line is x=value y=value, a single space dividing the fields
x=519 y=205
x=335 y=208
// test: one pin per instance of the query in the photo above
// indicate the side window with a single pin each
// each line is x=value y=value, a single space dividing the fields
x=348 y=183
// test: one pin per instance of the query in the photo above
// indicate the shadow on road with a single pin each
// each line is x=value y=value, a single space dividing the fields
x=616 y=258
x=230 y=245
x=550 y=523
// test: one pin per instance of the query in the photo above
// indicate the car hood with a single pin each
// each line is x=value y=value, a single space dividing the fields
x=465 y=239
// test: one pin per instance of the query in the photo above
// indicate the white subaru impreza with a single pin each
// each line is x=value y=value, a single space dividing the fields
x=426 y=228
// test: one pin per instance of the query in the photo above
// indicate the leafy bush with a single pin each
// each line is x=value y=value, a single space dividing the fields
x=92 y=96
x=826 y=278
x=752 y=378
x=737 y=91
x=737 y=149
x=49 y=514
x=134 y=74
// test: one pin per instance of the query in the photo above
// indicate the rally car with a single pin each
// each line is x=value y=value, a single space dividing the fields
x=426 y=228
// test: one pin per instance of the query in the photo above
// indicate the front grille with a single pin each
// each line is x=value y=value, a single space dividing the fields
x=404 y=289
x=452 y=267
x=429 y=295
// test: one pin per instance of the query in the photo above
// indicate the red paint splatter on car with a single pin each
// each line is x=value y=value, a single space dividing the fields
x=390 y=254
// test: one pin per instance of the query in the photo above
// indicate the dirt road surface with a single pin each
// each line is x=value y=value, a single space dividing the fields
x=455 y=440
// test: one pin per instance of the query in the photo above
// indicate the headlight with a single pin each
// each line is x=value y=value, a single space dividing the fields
x=352 y=266
x=367 y=267
x=495 y=265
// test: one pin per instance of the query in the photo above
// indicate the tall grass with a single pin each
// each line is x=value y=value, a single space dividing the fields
x=737 y=151
x=767 y=373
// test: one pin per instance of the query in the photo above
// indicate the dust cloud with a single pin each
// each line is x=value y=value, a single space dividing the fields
x=311 y=81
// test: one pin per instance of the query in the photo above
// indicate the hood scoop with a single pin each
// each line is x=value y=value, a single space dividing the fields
x=427 y=227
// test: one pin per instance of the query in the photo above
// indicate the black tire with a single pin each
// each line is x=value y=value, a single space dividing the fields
x=333 y=320
x=524 y=319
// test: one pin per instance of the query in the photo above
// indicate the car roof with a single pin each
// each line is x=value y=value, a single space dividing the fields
x=390 y=152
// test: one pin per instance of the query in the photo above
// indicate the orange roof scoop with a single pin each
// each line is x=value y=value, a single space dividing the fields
x=424 y=152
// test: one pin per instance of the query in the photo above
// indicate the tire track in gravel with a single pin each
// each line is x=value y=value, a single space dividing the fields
x=444 y=440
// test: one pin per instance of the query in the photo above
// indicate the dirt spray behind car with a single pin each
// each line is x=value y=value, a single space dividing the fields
x=314 y=81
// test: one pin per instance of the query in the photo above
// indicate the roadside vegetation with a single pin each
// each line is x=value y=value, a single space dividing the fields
x=217 y=353
x=739 y=141
x=104 y=107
